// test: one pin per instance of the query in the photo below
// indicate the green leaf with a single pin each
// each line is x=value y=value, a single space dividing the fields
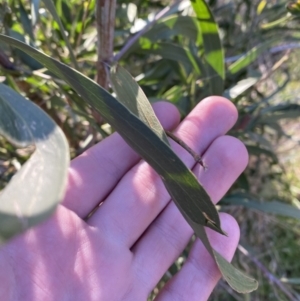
x=170 y=51
x=50 y=6
x=183 y=188
x=213 y=51
x=136 y=133
x=34 y=192
x=273 y=207
x=237 y=280
x=132 y=96
x=172 y=26
x=248 y=58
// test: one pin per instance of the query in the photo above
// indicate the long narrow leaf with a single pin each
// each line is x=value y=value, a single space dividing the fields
x=213 y=51
x=136 y=133
x=273 y=207
x=133 y=97
x=34 y=192
x=168 y=27
x=172 y=52
x=183 y=188
x=248 y=58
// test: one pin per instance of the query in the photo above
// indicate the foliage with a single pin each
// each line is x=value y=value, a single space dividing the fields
x=179 y=59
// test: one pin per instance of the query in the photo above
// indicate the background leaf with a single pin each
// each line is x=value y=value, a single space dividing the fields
x=50 y=6
x=213 y=51
x=273 y=207
x=43 y=176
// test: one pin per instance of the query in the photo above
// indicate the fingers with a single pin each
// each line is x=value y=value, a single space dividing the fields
x=96 y=172
x=199 y=275
x=168 y=235
x=140 y=195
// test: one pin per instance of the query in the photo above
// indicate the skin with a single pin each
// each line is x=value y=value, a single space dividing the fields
x=124 y=249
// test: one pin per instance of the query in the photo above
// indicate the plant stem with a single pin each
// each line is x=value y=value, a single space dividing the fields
x=105 y=19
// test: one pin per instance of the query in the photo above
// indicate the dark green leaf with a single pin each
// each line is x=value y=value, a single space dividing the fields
x=132 y=96
x=248 y=58
x=137 y=134
x=183 y=188
x=273 y=207
x=213 y=51
x=34 y=192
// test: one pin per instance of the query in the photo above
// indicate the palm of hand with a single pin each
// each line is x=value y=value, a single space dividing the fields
x=123 y=250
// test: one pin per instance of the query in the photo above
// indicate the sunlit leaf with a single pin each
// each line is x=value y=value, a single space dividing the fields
x=240 y=87
x=213 y=51
x=172 y=26
x=34 y=192
x=133 y=98
x=248 y=58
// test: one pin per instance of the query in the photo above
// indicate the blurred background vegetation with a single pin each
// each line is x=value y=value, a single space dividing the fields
x=256 y=66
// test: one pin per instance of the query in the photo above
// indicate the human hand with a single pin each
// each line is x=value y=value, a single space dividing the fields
x=122 y=251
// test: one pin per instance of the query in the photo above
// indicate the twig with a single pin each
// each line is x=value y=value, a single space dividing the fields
x=267 y=274
x=105 y=18
x=133 y=39
x=196 y=156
